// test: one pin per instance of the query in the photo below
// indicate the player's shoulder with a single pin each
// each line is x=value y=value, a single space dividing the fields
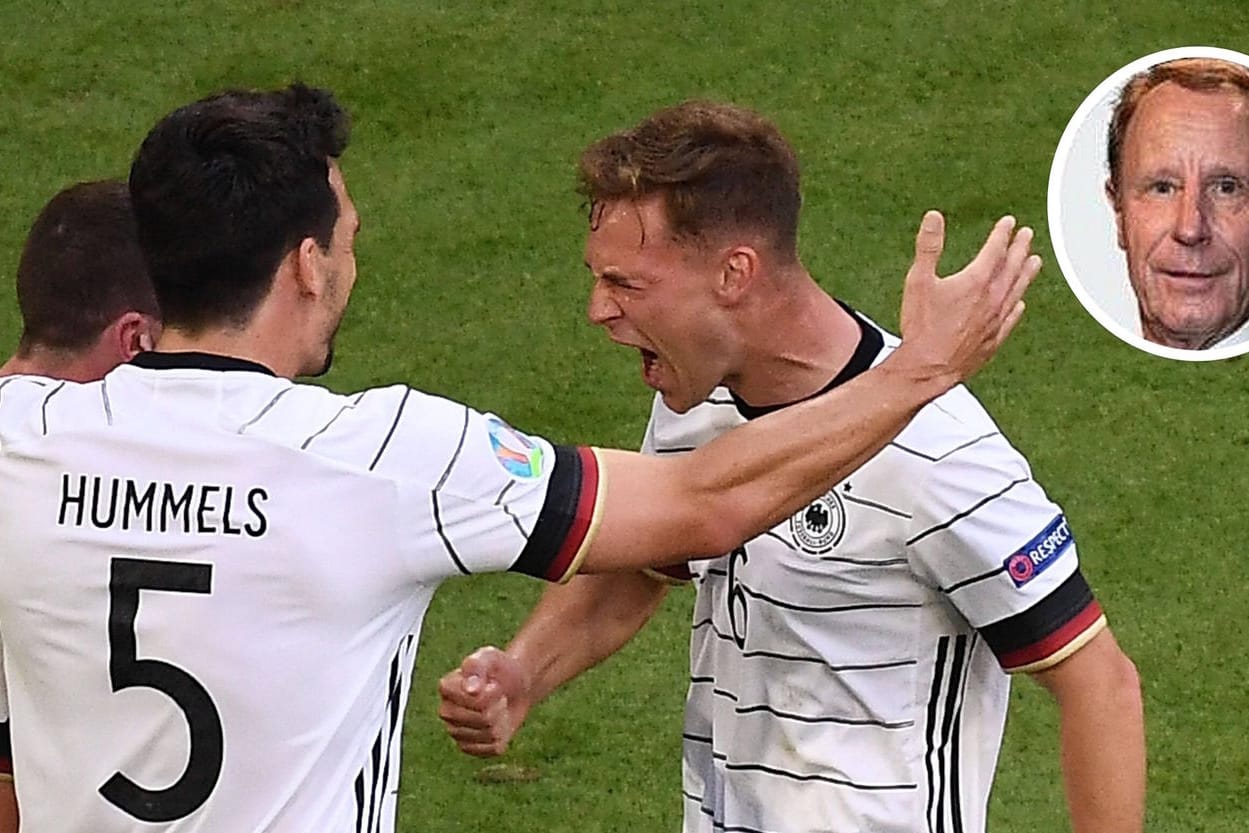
x=22 y=390
x=949 y=422
x=670 y=432
x=26 y=400
x=953 y=423
x=357 y=429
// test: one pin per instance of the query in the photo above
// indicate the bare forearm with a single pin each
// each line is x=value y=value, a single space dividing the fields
x=1103 y=737
x=1103 y=760
x=578 y=625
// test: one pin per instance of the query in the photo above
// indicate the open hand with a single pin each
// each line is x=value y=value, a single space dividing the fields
x=952 y=326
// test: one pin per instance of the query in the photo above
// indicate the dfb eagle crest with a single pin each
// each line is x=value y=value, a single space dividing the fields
x=818 y=528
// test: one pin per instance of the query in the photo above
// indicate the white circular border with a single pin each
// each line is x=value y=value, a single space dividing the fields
x=1101 y=96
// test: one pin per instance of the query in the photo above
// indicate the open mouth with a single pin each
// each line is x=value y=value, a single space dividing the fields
x=650 y=367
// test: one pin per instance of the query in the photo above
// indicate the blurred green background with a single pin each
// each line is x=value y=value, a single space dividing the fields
x=468 y=118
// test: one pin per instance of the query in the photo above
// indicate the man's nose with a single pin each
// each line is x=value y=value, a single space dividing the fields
x=1192 y=225
x=601 y=307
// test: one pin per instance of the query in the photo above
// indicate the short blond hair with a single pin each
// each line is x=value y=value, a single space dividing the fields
x=719 y=167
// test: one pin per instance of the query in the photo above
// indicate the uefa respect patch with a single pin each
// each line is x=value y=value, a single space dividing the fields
x=1035 y=557
x=521 y=456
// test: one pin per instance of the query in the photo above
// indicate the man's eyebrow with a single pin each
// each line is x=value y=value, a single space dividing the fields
x=1145 y=177
x=1223 y=169
x=609 y=274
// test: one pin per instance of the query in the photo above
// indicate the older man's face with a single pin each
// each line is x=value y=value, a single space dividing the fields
x=1182 y=209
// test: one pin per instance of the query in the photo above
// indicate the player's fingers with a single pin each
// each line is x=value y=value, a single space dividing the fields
x=986 y=262
x=466 y=734
x=1027 y=273
x=481 y=746
x=493 y=668
x=469 y=734
x=451 y=689
x=929 y=243
x=479 y=668
x=458 y=716
x=1008 y=323
x=481 y=663
x=1011 y=268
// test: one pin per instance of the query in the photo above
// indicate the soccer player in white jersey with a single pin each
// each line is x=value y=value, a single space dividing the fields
x=849 y=668
x=212 y=578
x=87 y=306
x=86 y=301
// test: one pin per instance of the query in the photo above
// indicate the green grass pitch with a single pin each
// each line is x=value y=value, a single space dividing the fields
x=468 y=118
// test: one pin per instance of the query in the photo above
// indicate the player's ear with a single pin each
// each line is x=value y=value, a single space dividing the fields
x=739 y=269
x=133 y=333
x=306 y=264
x=1112 y=196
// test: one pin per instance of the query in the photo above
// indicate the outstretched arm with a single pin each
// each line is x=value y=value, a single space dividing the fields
x=701 y=504
x=1102 y=736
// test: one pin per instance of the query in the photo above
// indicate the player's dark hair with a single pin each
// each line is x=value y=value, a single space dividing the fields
x=1198 y=74
x=719 y=167
x=81 y=268
x=224 y=188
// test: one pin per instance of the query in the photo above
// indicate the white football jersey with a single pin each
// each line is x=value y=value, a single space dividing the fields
x=212 y=582
x=847 y=667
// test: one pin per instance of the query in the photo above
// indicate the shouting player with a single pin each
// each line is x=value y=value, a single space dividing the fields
x=849 y=667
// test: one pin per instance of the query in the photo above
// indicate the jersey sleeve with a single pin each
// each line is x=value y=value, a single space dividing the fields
x=986 y=534
x=511 y=501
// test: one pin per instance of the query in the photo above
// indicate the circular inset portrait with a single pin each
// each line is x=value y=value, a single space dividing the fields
x=1149 y=203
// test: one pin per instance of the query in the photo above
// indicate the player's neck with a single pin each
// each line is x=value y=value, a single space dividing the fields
x=258 y=341
x=797 y=342
x=52 y=363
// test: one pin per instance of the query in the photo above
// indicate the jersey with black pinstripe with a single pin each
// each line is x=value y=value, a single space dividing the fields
x=212 y=583
x=847 y=667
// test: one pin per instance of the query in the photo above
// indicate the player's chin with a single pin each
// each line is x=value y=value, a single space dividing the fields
x=682 y=398
x=325 y=365
x=677 y=401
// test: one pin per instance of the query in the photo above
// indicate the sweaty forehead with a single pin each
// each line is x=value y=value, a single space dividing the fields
x=628 y=228
x=1173 y=121
x=643 y=220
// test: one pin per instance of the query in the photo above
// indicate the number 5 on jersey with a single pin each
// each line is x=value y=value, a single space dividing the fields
x=127 y=578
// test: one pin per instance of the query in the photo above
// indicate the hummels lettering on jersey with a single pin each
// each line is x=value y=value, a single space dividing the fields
x=203 y=508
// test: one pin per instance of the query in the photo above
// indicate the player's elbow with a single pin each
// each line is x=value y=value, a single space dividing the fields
x=1124 y=680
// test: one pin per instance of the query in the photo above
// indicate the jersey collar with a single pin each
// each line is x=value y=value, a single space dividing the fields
x=870 y=344
x=153 y=360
